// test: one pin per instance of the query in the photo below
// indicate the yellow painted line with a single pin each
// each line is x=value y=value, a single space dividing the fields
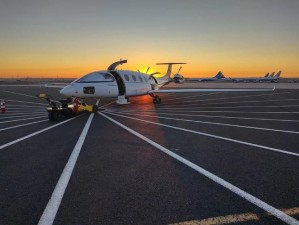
x=236 y=218
x=292 y=211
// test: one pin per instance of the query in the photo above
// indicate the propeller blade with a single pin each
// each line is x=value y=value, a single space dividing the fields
x=180 y=69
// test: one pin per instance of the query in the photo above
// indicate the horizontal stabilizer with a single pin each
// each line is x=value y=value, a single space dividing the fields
x=169 y=63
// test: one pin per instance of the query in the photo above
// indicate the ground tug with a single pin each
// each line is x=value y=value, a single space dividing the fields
x=66 y=107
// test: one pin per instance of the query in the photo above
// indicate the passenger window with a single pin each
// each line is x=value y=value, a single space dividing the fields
x=127 y=77
x=140 y=78
x=134 y=78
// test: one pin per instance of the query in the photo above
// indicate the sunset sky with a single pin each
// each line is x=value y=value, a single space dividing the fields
x=68 y=38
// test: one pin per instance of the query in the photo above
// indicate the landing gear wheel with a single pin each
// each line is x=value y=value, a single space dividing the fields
x=53 y=116
x=95 y=108
x=157 y=99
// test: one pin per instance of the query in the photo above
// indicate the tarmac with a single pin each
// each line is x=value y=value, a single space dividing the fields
x=197 y=158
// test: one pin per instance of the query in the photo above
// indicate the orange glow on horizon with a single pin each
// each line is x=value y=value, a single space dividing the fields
x=58 y=68
x=186 y=72
x=240 y=38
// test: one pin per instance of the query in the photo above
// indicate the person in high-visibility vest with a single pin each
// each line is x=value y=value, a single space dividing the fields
x=3 y=106
x=76 y=105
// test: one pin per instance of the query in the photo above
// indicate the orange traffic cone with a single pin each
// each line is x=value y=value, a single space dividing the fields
x=3 y=106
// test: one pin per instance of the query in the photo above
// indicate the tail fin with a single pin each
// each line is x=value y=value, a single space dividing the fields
x=219 y=75
x=166 y=77
x=278 y=74
x=267 y=75
x=272 y=74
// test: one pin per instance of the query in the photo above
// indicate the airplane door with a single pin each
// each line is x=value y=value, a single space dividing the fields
x=120 y=83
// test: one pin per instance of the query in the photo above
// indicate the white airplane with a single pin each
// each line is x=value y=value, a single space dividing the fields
x=267 y=78
x=274 y=78
x=122 y=84
x=178 y=78
x=218 y=77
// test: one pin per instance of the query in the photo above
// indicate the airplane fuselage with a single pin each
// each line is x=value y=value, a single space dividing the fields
x=111 y=84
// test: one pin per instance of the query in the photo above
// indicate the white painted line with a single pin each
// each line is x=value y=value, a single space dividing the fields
x=225 y=107
x=239 y=102
x=220 y=124
x=214 y=136
x=229 y=117
x=52 y=207
x=215 y=99
x=24 y=115
x=239 y=96
x=246 y=102
x=21 y=85
x=107 y=104
x=259 y=203
x=192 y=96
x=30 y=118
x=209 y=111
x=16 y=93
x=8 y=100
x=27 y=109
x=36 y=133
x=9 y=113
x=224 y=117
x=220 y=107
x=23 y=125
x=25 y=106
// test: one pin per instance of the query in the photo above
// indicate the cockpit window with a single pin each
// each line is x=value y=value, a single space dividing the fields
x=95 y=77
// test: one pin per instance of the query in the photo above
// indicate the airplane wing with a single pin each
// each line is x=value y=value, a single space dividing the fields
x=56 y=85
x=210 y=90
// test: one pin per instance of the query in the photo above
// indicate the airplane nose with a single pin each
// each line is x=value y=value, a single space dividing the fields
x=65 y=91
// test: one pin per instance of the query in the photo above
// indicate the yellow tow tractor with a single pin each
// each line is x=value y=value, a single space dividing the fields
x=66 y=107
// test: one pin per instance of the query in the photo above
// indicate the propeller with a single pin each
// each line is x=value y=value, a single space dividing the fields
x=179 y=69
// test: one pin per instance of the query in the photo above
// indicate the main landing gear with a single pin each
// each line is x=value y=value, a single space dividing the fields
x=156 y=99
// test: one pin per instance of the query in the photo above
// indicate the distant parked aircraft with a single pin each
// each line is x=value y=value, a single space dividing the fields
x=267 y=78
x=178 y=78
x=218 y=77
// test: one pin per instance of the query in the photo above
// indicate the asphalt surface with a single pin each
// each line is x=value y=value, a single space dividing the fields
x=227 y=146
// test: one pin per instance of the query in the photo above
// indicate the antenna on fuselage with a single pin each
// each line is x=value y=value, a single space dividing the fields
x=147 y=69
